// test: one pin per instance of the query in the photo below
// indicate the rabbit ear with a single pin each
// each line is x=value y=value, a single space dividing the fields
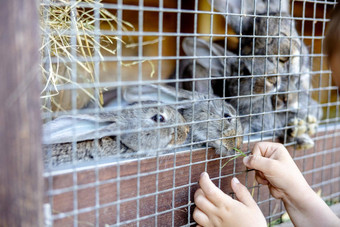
x=151 y=92
x=203 y=49
x=66 y=129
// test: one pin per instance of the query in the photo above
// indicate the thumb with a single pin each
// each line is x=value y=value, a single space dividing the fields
x=258 y=162
x=242 y=193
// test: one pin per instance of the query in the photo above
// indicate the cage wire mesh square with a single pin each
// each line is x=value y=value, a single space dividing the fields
x=140 y=97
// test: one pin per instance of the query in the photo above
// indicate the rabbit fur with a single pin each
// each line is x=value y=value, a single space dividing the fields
x=271 y=32
x=211 y=119
x=231 y=78
x=226 y=71
x=282 y=46
x=291 y=114
x=231 y=75
x=107 y=126
x=247 y=9
x=260 y=105
x=302 y=112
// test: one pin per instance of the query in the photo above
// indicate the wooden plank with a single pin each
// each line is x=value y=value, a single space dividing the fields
x=21 y=190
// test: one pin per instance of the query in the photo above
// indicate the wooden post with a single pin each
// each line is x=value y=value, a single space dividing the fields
x=21 y=183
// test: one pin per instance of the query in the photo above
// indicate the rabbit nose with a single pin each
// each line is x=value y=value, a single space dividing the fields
x=183 y=130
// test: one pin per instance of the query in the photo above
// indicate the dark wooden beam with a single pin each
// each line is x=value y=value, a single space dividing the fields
x=21 y=184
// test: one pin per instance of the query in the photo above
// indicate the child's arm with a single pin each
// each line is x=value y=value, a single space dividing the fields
x=275 y=168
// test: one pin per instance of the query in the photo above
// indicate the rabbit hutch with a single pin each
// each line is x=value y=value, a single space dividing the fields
x=138 y=98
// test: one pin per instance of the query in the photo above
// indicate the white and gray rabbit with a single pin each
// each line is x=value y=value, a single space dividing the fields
x=211 y=119
x=143 y=129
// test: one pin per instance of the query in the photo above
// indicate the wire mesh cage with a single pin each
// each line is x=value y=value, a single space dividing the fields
x=140 y=97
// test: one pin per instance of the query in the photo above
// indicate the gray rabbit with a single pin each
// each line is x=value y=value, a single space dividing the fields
x=255 y=106
x=290 y=114
x=276 y=37
x=248 y=83
x=137 y=128
x=271 y=33
x=212 y=120
x=230 y=75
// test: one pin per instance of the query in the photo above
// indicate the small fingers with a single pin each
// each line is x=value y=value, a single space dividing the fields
x=200 y=217
x=266 y=149
x=242 y=193
x=203 y=203
x=260 y=148
x=259 y=163
x=198 y=192
x=260 y=178
x=213 y=193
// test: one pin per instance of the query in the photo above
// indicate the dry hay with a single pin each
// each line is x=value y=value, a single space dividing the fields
x=69 y=42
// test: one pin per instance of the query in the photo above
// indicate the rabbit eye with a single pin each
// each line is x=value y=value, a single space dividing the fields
x=158 y=117
x=226 y=115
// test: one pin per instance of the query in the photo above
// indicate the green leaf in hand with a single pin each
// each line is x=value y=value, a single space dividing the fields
x=240 y=153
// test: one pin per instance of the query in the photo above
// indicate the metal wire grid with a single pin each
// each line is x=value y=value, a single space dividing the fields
x=327 y=123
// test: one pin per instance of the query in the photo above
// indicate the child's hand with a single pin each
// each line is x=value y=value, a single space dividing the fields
x=275 y=168
x=215 y=208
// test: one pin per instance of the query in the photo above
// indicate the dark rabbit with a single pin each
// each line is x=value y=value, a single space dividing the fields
x=210 y=117
x=107 y=127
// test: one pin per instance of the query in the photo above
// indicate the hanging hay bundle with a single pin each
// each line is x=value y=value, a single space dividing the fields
x=70 y=41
